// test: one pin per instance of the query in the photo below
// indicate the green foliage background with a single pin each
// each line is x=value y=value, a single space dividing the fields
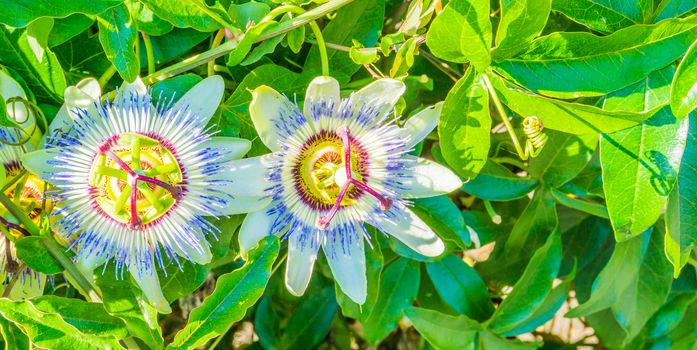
x=600 y=227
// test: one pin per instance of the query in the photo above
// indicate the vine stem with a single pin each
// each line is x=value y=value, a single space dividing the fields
x=281 y=28
x=324 y=58
x=503 y=115
x=53 y=249
x=149 y=53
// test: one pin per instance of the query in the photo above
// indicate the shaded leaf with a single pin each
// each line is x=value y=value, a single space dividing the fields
x=399 y=284
x=521 y=21
x=465 y=125
x=311 y=321
x=460 y=287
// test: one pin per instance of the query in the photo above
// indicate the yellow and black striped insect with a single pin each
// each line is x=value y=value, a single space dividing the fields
x=534 y=130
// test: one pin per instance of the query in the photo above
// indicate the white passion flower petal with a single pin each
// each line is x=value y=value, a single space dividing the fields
x=137 y=88
x=346 y=257
x=245 y=177
x=322 y=100
x=268 y=111
x=401 y=223
x=203 y=98
x=40 y=163
x=229 y=148
x=302 y=253
x=10 y=88
x=82 y=96
x=428 y=179
x=243 y=204
x=381 y=94
x=421 y=124
x=149 y=283
x=255 y=227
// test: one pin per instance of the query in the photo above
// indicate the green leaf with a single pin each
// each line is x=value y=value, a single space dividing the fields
x=172 y=45
x=521 y=21
x=191 y=14
x=496 y=183
x=594 y=14
x=174 y=88
x=234 y=293
x=266 y=47
x=117 y=34
x=65 y=29
x=441 y=214
x=444 y=331
x=311 y=321
x=252 y=12
x=34 y=254
x=89 y=318
x=123 y=300
x=296 y=39
x=14 y=338
x=683 y=91
x=569 y=65
x=19 y=13
x=146 y=20
x=462 y=32
x=178 y=282
x=399 y=284
x=564 y=156
x=531 y=291
x=362 y=55
x=642 y=96
x=458 y=332
x=460 y=287
x=681 y=212
x=532 y=229
x=359 y=20
x=568 y=117
x=674 y=8
x=633 y=285
x=49 y=330
x=26 y=51
x=465 y=126
x=670 y=314
x=640 y=166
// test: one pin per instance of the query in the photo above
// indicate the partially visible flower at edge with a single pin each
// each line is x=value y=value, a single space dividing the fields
x=335 y=166
x=136 y=181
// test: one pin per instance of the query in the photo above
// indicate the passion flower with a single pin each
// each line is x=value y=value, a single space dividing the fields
x=335 y=166
x=136 y=181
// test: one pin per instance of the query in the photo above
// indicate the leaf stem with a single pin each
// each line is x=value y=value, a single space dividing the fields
x=225 y=48
x=504 y=116
x=149 y=53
